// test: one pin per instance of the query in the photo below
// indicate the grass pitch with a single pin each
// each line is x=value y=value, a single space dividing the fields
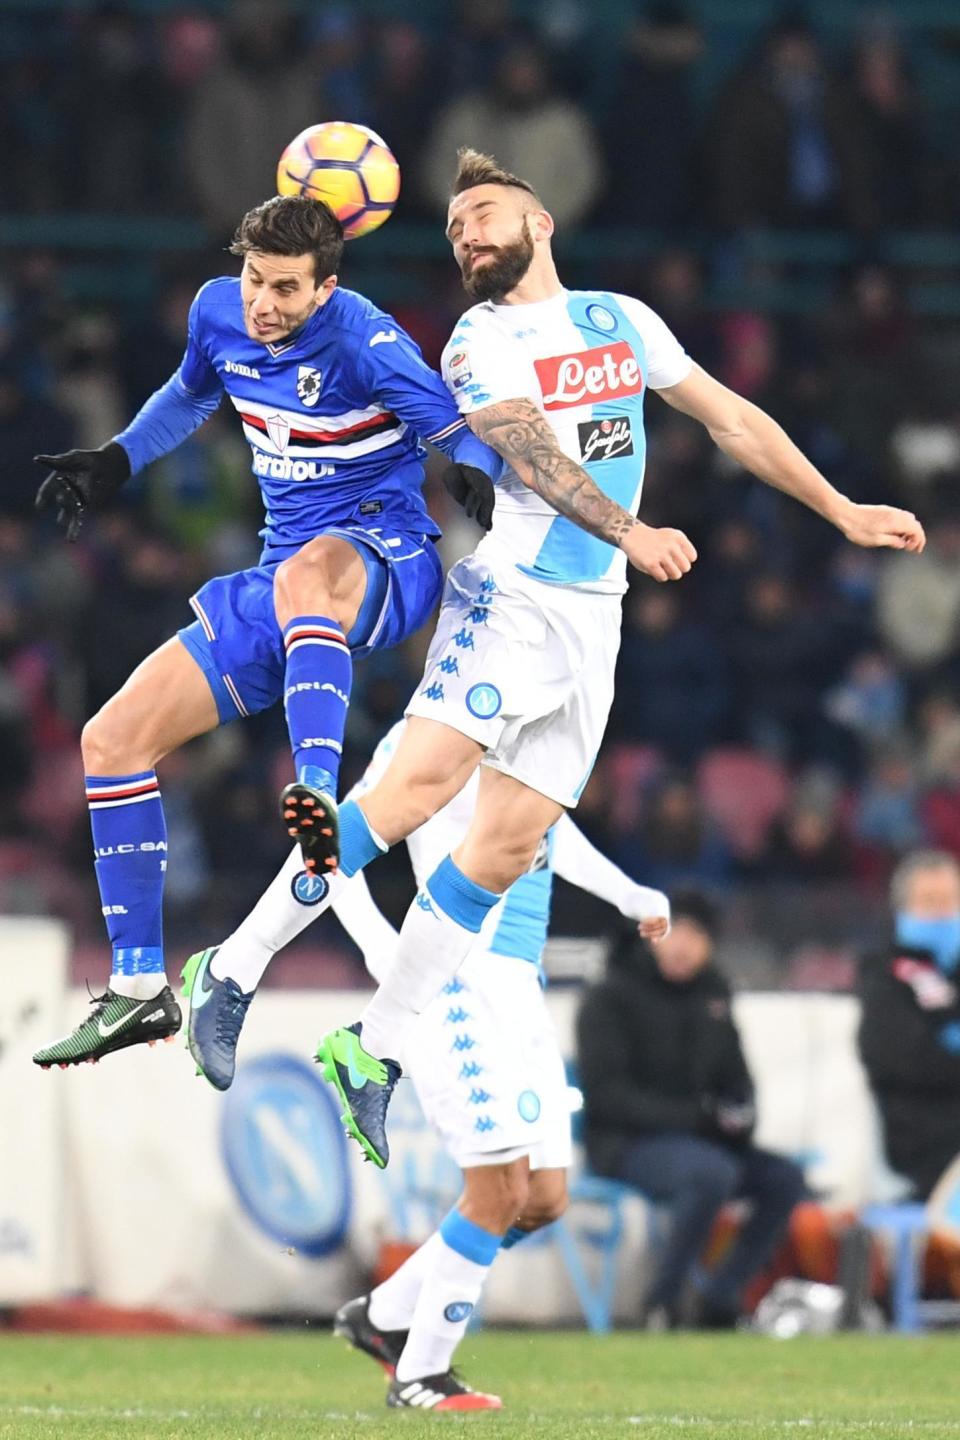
x=558 y=1386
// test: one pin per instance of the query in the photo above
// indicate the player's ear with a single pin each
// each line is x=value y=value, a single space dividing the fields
x=325 y=289
x=541 y=224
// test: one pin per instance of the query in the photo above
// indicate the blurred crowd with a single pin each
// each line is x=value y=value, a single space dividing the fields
x=790 y=713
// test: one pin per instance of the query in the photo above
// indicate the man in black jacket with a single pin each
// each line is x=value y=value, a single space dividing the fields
x=910 y=1027
x=669 y=1108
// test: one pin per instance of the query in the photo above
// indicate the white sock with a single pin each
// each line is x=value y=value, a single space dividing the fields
x=392 y=1304
x=277 y=918
x=449 y=1292
x=139 y=987
x=439 y=931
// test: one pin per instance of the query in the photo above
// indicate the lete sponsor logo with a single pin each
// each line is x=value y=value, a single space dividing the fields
x=605 y=439
x=607 y=372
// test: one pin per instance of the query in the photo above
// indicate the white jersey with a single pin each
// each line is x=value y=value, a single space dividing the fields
x=585 y=358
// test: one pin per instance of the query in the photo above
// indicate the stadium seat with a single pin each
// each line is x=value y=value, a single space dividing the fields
x=630 y=769
x=596 y=1297
x=907 y=1224
x=743 y=791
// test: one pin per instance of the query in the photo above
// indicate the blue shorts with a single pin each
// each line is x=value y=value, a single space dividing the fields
x=236 y=639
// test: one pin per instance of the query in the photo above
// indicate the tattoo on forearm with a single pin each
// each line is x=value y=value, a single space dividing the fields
x=517 y=430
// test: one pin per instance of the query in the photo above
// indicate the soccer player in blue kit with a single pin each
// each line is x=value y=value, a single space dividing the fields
x=333 y=397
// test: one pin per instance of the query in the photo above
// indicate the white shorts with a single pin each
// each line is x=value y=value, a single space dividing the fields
x=486 y=1065
x=527 y=670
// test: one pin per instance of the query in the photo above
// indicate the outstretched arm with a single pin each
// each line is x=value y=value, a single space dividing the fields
x=517 y=430
x=574 y=859
x=751 y=438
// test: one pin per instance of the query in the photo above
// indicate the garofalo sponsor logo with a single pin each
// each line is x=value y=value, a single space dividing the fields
x=283 y=468
x=607 y=372
x=605 y=439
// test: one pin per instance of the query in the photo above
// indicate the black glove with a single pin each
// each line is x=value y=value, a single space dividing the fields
x=473 y=490
x=81 y=480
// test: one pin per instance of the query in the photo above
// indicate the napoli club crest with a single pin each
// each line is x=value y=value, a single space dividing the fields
x=308 y=384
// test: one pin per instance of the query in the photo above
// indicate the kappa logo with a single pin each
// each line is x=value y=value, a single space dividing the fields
x=605 y=439
x=234 y=367
x=383 y=337
x=309 y=380
x=605 y=373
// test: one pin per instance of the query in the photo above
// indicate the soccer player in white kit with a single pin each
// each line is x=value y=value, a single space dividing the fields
x=519 y=677
x=486 y=1065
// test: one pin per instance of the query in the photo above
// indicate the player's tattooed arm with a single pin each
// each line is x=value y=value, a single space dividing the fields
x=519 y=432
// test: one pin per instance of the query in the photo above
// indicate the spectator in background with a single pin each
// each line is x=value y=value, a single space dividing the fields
x=116 y=104
x=263 y=90
x=648 y=134
x=669 y=1108
x=910 y=1026
x=671 y=687
x=787 y=145
x=870 y=700
x=807 y=842
x=887 y=812
x=22 y=419
x=531 y=129
x=404 y=100
x=675 y=842
x=474 y=46
x=16 y=741
x=887 y=104
x=778 y=654
x=918 y=606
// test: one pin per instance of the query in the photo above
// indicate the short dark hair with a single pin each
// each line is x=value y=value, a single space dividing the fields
x=292 y=225
x=475 y=168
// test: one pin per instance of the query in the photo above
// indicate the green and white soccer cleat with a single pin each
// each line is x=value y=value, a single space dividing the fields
x=364 y=1084
x=115 y=1023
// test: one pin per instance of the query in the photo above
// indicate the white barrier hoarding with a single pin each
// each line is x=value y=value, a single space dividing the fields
x=33 y=961
x=252 y=1202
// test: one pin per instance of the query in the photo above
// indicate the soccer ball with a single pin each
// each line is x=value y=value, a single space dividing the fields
x=346 y=166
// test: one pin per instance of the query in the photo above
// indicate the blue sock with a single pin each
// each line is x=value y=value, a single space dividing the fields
x=316 y=695
x=358 y=843
x=513 y=1237
x=130 y=851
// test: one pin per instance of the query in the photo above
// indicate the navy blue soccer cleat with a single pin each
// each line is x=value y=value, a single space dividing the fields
x=364 y=1085
x=218 y=1009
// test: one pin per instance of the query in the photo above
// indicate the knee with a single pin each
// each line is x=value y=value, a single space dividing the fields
x=105 y=743
x=495 y=1196
x=784 y=1183
x=543 y=1209
x=303 y=581
x=499 y=859
x=715 y=1178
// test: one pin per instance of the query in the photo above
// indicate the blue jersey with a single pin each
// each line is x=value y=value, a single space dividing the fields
x=334 y=415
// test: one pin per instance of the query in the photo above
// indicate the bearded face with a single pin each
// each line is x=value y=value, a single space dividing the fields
x=491 y=271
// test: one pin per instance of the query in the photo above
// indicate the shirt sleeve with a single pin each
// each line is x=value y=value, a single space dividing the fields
x=397 y=375
x=576 y=860
x=667 y=361
x=178 y=408
x=480 y=370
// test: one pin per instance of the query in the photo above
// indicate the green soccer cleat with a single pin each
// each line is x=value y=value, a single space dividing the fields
x=115 y=1023
x=364 y=1085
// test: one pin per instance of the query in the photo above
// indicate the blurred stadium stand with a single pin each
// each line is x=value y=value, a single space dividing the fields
x=831 y=676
